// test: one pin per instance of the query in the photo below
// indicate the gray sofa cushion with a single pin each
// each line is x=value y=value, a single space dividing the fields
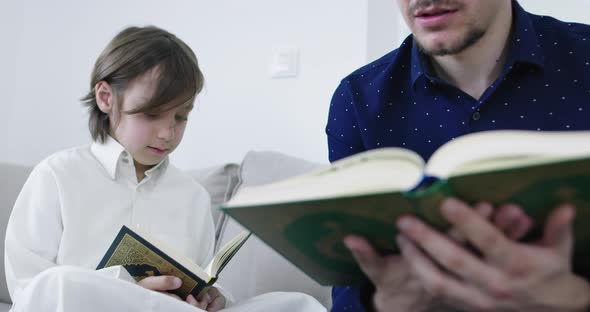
x=220 y=182
x=256 y=268
x=11 y=182
x=5 y=307
x=265 y=167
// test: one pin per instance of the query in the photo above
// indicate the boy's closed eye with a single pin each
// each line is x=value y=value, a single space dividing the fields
x=182 y=118
x=151 y=115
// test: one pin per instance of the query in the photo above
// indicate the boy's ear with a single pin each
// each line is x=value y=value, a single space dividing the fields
x=105 y=97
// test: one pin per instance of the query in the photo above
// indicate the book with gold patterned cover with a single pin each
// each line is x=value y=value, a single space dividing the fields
x=305 y=218
x=143 y=256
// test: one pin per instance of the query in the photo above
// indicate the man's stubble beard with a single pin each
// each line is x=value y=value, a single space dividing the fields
x=470 y=39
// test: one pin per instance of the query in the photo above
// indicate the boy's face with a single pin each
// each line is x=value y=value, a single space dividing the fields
x=446 y=27
x=149 y=138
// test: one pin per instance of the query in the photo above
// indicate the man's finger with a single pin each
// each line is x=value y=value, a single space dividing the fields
x=483 y=209
x=438 y=284
x=450 y=255
x=520 y=228
x=161 y=283
x=558 y=230
x=477 y=230
x=512 y=220
x=366 y=256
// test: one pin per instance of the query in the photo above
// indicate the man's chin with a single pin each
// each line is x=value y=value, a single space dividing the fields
x=442 y=45
x=438 y=46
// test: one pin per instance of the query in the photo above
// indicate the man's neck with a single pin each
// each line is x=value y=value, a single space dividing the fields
x=477 y=67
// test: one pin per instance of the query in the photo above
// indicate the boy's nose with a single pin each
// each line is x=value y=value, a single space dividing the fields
x=166 y=132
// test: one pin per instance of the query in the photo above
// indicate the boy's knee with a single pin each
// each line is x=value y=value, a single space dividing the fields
x=46 y=289
x=304 y=299
x=59 y=274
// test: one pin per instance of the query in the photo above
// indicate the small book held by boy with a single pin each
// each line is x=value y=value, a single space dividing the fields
x=143 y=256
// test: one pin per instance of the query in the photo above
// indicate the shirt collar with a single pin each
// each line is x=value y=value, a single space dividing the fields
x=524 y=48
x=111 y=153
x=524 y=45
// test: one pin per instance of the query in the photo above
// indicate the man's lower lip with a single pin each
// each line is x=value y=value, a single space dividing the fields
x=434 y=20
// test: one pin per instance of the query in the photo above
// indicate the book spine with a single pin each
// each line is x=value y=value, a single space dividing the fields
x=427 y=200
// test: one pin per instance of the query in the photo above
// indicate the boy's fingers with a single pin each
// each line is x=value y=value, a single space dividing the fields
x=190 y=299
x=217 y=304
x=214 y=293
x=202 y=304
x=161 y=283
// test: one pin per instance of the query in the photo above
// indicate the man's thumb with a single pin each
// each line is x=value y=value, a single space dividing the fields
x=558 y=229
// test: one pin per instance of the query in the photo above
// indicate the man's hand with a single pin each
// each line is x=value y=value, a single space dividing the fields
x=396 y=285
x=510 y=276
x=211 y=301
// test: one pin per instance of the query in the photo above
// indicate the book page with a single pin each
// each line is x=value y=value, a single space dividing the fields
x=375 y=171
x=503 y=149
x=225 y=253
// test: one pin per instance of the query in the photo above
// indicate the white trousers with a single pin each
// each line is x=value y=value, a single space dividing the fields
x=72 y=289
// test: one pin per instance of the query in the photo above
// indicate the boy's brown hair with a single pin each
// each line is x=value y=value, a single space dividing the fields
x=133 y=52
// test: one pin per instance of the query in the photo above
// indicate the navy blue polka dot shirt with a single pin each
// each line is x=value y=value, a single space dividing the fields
x=397 y=100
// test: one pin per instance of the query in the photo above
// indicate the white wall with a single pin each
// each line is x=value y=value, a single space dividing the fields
x=566 y=10
x=49 y=48
x=387 y=28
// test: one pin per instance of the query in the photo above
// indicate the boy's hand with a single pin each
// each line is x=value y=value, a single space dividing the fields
x=162 y=284
x=211 y=301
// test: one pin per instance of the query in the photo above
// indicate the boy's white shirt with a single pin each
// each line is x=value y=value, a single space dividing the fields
x=75 y=202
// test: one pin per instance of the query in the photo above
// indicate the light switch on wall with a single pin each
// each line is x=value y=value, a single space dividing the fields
x=284 y=62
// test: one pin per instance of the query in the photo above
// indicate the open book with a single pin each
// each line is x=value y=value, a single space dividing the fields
x=305 y=218
x=144 y=256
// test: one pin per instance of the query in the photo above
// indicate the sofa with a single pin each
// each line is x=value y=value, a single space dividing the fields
x=256 y=268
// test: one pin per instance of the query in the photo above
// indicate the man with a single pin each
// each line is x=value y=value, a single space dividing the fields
x=469 y=66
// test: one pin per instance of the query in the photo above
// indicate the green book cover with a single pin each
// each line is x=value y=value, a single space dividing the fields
x=309 y=231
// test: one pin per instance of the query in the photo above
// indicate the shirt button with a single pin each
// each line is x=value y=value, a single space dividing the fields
x=476 y=116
